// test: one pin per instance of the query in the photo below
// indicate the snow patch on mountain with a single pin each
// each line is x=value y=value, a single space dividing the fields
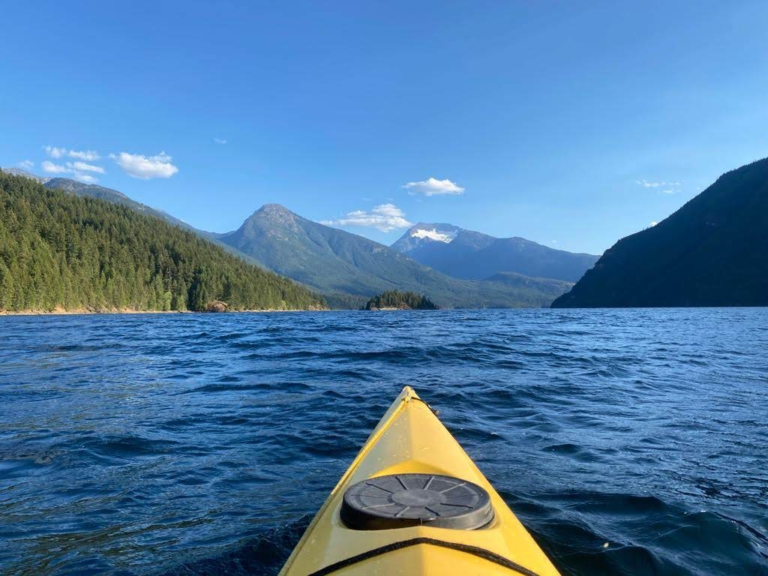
x=433 y=235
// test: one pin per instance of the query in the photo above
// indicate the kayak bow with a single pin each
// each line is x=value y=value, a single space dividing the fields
x=414 y=503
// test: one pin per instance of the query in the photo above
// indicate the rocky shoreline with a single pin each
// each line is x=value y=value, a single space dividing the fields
x=115 y=312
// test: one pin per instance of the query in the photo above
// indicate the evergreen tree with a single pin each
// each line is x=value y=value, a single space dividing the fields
x=59 y=250
x=400 y=300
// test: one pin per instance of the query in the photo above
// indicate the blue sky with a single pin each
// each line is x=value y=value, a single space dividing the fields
x=569 y=123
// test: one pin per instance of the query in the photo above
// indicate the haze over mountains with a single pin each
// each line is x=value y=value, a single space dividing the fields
x=472 y=255
x=347 y=269
x=711 y=252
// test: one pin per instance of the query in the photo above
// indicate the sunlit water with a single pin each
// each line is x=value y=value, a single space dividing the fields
x=628 y=442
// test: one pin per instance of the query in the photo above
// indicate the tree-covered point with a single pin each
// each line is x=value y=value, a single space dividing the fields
x=400 y=301
x=59 y=251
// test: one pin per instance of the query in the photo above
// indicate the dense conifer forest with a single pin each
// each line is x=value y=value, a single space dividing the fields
x=63 y=252
x=401 y=300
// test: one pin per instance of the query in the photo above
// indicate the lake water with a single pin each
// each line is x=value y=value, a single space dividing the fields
x=627 y=441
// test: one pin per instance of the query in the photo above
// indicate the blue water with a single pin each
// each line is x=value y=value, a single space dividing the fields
x=628 y=442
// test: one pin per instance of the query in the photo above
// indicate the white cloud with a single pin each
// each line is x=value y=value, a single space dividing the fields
x=144 y=167
x=669 y=187
x=434 y=187
x=384 y=217
x=88 y=155
x=82 y=166
x=432 y=235
x=77 y=170
x=85 y=178
x=52 y=168
x=219 y=141
x=653 y=223
x=26 y=164
x=54 y=152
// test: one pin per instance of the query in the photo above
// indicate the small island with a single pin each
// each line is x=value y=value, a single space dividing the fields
x=396 y=300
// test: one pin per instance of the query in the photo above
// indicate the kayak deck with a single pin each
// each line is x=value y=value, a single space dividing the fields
x=410 y=439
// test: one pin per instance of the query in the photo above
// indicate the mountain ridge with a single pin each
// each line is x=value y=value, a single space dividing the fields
x=336 y=262
x=710 y=252
x=474 y=255
x=348 y=269
x=116 y=197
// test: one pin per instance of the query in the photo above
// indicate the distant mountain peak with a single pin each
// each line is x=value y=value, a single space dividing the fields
x=348 y=268
x=25 y=174
x=77 y=187
x=432 y=234
x=270 y=219
x=274 y=208
x=276 y=211
x=475 y=256
x=435 y=232
x=424 y=234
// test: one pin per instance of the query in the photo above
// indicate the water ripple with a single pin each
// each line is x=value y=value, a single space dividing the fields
x=628 y=441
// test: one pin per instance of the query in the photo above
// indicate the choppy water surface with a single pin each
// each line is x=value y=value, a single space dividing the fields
x=629 y=442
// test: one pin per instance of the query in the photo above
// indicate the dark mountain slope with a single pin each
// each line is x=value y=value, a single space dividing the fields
x=711 y=252
x=343 y=264
x=61 y=251
x=472 y=255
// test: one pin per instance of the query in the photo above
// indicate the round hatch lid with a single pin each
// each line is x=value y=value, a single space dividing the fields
x=403 y=500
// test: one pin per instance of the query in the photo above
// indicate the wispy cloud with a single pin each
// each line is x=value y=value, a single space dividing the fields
x=82 y=166
x=434 y=187
x=53 y=168
x=54 y=152
x=219 y=141
x=76 y=169
x=86 y=178
x=145 y=167
x=647 y=184
x=662 y=187
x=26 y=164
x=384 y=217
x=87 y=155
x=58 y=153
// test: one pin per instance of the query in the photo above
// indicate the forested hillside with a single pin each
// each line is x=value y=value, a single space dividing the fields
x=59 y=251
x=116 y=197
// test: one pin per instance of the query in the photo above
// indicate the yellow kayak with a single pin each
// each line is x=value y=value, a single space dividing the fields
x=413 y=502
